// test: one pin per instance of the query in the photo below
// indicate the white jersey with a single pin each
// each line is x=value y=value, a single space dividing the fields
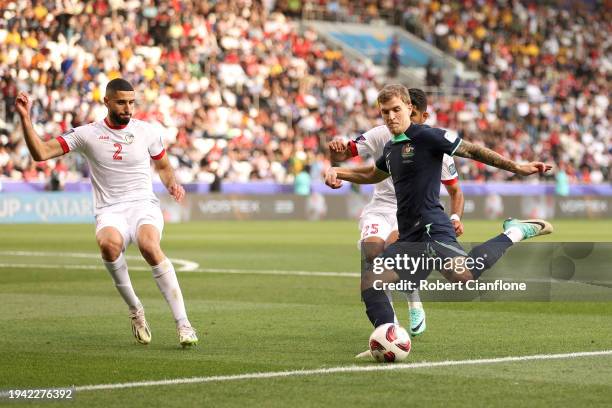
x=372 y=143
x=119 y=160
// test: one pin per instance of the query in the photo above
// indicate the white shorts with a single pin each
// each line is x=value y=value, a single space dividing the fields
x=128 y=218
x=377 y=225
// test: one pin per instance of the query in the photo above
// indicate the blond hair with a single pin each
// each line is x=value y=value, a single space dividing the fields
x=391 y=91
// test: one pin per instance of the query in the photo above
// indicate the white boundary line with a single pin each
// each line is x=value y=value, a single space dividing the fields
x=184 y=265
x=335 y=370
x=199 y=270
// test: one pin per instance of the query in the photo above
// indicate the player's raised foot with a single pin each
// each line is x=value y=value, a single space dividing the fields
x=140 y=328
x=187 y=336
x=417 y=321
x=365 y=354
x=529 y=228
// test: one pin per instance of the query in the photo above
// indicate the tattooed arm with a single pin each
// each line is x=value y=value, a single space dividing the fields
x=488 y=156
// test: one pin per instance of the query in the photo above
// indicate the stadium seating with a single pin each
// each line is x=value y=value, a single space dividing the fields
x=246 y=95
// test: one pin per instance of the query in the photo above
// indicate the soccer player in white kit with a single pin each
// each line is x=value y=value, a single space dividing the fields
x=378 y=223
x=119 y=150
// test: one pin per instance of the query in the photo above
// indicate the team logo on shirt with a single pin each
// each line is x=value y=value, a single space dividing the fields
x=129 y=138
x=407 y=153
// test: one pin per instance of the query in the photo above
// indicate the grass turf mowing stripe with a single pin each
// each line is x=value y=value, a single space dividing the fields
x=347 y=369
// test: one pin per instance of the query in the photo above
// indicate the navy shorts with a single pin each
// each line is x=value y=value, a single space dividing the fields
x=416 y=254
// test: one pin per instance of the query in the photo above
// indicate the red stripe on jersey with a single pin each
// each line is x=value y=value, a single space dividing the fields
x=63 y=143
x=451 y=181
x=353 y=148
x=159 y=156
x=113 y=126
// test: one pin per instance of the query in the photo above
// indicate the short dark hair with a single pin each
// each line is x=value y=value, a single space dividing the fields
x=393 y=90
x=118 y=84
x=418 y=98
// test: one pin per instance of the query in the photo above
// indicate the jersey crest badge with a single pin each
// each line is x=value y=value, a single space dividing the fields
x=129 y=138
x=407 y=153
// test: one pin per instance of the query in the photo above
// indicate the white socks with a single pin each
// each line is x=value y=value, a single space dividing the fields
x=390 y=297
x=414 y=300
x=515 y=234
x=119 y=272
x=166 y=280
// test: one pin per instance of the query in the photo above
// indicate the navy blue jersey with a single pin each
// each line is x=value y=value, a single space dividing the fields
x=414 y=161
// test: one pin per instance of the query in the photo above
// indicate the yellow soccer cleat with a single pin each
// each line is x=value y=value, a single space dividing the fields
x=187 y=336
x=140 y=328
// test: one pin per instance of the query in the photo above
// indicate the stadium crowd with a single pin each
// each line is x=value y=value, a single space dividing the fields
x=244 y=95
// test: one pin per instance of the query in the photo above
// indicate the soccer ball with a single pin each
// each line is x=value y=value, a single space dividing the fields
x=389 y=343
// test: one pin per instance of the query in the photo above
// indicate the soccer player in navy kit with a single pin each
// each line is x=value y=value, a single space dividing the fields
x=413 y=159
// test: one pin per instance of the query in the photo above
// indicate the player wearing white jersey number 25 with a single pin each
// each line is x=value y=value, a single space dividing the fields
x=119 y=150
x=378 y=223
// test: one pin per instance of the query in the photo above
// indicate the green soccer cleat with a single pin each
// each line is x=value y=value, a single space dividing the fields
x=417 y=321
x=530 y=228
x=187 y=336
x=140 y=328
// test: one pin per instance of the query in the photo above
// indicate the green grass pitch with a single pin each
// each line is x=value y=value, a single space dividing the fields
x=63 y=323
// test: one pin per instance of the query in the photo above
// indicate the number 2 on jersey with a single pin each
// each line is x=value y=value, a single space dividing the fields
x=117 y=156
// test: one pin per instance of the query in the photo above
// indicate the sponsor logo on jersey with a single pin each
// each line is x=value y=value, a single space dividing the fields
x=103 y=137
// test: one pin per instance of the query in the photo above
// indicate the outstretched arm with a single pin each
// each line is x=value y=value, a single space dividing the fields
x=488 y=156
x=358 y=175
x=166 y=174
x=339 y=151
x=39 y=150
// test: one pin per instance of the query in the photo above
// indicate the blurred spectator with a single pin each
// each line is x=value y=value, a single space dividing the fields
x=394 y=57
x=562 y=185
x=244 y=95
x=301 y=185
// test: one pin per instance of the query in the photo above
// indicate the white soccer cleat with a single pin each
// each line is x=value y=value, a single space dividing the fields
x=187 y=336
x=140 y=328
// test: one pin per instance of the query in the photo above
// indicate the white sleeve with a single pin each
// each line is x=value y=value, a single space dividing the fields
x=156 y=144
x=372 y=142
x=362 y=146
x=73 y=139
x=365 y=145
x=449 y=172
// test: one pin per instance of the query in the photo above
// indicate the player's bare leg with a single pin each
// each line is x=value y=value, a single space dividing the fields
x=165 y=276
x=111 y=243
